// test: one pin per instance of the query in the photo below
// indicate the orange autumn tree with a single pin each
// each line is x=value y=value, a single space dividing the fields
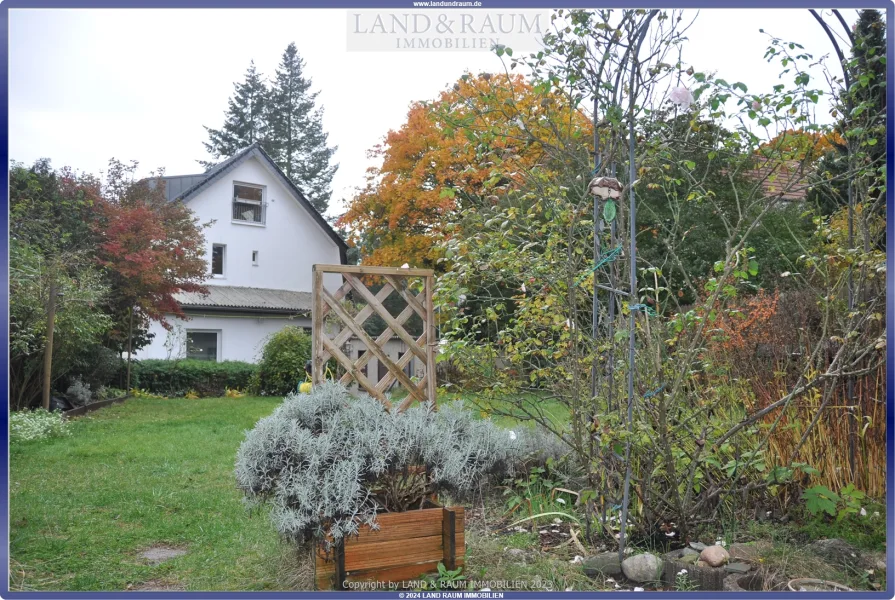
x=445 y=157
x=799 y=145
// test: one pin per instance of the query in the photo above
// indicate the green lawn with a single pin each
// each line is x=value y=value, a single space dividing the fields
x=508 y=413
x=147 y=472
x=142 y=473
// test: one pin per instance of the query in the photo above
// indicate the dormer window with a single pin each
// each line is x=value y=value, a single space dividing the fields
x=248 y=203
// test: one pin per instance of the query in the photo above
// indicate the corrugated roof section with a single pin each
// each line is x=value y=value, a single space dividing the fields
x=226 y=296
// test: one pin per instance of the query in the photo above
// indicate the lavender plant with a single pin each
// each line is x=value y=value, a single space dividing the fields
x=330 y=461
x=79 y=393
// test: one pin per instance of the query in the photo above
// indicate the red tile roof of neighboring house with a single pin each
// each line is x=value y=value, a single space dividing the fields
x=788 y=180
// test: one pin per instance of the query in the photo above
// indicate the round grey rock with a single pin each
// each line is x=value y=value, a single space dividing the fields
x=643 y=567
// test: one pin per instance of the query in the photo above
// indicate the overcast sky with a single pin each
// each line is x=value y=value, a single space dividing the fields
x=87 y=85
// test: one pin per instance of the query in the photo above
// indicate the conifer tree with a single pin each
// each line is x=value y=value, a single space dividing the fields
x=297 y=142
x=245 y=121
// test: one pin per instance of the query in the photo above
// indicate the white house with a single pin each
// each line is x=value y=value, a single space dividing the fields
x=263 y=241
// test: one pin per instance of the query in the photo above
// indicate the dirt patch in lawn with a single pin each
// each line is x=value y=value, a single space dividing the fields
x=161 y=553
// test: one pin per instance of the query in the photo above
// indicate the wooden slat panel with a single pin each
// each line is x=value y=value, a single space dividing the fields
x=386 y=556
x=393 y=554
x=365 y=270
x=351 y=368
x=395 y=574
x=384 y=314
x=402 y=362
x=371 y=345
x=413 y=301
x=364 y=314
x=384 y=337
x=396 y=280
x=339 y=294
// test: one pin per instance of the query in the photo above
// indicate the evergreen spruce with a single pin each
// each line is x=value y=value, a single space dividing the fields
x=297 y=142
x=245 y=121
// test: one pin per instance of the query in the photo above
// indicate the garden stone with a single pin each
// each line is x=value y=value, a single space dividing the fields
x=698 y=546
x=738 y=567
x=714 y=556
x=605 y=565
x=749 y=551
x=516 y=554
x=682 y=555
x=642 y=567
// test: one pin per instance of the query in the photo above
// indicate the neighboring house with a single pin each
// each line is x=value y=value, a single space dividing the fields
x=261 y=246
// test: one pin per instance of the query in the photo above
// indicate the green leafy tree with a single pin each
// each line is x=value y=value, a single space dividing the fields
x=79 y=323
x=244 y=121
x=862 y=124
x=51 y=247
x=297 y=142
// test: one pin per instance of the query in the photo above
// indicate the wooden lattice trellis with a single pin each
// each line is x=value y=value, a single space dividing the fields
x=423 y=347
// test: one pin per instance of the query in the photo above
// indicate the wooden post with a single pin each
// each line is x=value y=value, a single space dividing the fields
x=130 y=338
x=431 y=341
x=48 y=351
x=449 y=539
x=317 y=327
x=341 y=576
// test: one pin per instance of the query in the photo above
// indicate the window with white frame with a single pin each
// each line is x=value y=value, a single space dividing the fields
x=203 y=344
x=248 y=203
x=218 y=259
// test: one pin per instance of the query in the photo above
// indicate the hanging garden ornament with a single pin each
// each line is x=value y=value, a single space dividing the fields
x=609 y=210
x=681 y=96
x=605 y=187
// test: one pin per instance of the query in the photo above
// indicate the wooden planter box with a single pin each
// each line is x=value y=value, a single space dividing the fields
x=406 y=546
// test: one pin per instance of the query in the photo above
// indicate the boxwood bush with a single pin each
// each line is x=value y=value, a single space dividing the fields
x=177 y=377
x=282 y=364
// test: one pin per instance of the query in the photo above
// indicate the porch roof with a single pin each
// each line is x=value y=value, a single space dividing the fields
x=255 y=299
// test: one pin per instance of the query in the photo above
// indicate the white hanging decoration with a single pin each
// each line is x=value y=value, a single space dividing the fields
x=605 y=187
x=681 y=96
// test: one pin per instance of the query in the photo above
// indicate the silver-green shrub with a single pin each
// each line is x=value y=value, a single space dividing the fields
x=78 y=393
x=328 y=460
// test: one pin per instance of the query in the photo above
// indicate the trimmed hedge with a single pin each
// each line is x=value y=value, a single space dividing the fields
x=177 y=377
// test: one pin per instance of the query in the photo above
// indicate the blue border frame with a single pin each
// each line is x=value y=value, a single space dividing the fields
x=886 y=6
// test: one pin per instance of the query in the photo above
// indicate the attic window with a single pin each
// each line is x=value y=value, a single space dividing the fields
x=248 y=203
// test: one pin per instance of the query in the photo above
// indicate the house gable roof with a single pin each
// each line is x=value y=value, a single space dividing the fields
x=204 y=180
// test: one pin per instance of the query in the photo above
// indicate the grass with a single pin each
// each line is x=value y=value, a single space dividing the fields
x=142 y=473
x=503 y=411
x=487 y=560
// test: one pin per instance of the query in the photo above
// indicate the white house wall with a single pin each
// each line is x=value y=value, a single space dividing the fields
x=241 y=338
x=289 y=242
